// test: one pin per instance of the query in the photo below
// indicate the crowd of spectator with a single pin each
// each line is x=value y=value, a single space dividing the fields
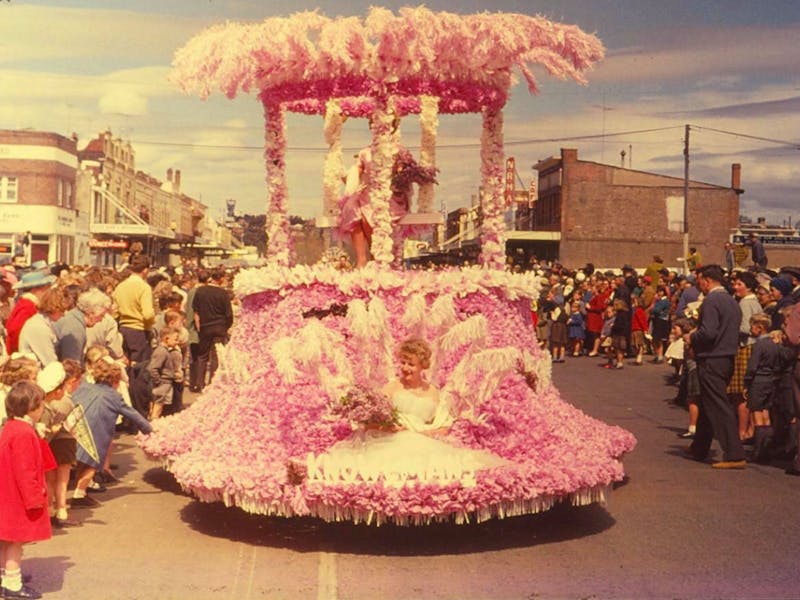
x=735 y=364
x=85 y=353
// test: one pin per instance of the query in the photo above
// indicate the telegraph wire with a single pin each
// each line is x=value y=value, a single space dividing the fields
x=796 y=145
x=440 y=146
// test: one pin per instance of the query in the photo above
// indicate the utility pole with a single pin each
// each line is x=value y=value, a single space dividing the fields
x=686 y=200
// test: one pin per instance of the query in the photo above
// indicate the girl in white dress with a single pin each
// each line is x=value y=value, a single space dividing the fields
x=410 y=452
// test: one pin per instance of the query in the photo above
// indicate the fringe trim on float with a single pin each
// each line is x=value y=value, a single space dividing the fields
x=336 y=514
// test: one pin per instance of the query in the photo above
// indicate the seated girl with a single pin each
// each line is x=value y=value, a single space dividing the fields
x=410 y=451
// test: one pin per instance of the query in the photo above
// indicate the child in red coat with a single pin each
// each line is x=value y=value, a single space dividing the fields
x=23 y=493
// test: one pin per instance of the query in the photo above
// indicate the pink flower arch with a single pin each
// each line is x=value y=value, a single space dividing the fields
x=299 y=63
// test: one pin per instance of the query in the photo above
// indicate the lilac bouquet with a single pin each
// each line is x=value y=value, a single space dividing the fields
x=365 y=406
x=406 y=171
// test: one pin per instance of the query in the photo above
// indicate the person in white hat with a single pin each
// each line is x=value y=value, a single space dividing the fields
x=33 y=286
x=57 y=407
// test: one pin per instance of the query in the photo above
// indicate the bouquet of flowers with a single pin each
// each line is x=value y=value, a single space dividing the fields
x=406 y=171
x=365 y=406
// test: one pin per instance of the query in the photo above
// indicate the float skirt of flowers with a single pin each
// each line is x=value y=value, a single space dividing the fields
x=306 y=335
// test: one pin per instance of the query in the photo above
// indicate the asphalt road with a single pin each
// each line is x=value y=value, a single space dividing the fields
x=674 y=529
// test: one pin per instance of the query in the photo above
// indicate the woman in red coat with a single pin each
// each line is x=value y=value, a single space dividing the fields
x=594 y=315
x=23 y=492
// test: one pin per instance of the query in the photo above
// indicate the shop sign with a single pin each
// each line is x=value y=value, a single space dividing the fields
x=109 y=244
x=509 y=184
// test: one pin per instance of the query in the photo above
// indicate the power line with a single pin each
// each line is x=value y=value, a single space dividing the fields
x=751 y=137
x=441 y=146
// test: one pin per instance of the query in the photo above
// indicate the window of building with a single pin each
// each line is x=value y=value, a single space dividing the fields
x=60 y=193
x=8 y=189
x=69 y=203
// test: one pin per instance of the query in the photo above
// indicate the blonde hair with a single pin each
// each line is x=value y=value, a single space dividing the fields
x=168 y=331
x=19 y=369
x=762 y=320
x=105 y=370
x=94 y=354
x=419 y=348
x=776 y=335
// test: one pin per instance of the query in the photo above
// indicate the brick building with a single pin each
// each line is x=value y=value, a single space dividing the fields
x=38 y=199
x=129 y=205
x=610 y=216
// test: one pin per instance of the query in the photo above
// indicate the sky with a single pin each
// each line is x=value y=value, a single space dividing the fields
x=727 y=68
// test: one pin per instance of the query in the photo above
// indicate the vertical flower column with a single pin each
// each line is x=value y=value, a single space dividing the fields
x=493 y=253
x=380 y=190
x=398 y=231
x=333 y=168
x=429 y=125
x=279 y=241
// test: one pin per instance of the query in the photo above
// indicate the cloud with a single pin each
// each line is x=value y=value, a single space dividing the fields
x=42 y=34
x=688 y=54
x=122 y=102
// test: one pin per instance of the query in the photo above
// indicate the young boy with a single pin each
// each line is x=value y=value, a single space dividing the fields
x=177 y=320
x=166 y=367
x=764 y=369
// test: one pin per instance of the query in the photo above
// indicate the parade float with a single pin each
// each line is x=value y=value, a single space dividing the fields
x=308 y=335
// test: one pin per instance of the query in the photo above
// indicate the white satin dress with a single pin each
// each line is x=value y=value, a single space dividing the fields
x=403 y=457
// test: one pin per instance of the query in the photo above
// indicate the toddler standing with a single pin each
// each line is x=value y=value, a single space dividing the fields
x=764 y=369
x=576 y=328
x=166 y=368
x=23 y=492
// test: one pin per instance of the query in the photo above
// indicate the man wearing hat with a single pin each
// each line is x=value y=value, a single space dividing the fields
x=792 y=274
x=757 y=249
x=33 y=285
x=653 y=270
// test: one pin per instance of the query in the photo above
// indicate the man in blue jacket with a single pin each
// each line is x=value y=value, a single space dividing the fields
x=714 y=343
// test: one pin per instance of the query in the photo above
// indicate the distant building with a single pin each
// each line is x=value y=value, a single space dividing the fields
x=781 y=243
x=129 y=205
x=607 y=215
x=38 y=195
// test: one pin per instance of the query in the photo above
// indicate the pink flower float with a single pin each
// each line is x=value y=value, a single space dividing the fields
x=308 y=335
x=262 y=435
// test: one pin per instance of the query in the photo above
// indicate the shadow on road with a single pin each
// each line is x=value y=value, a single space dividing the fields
x=54 y=566
x=562 y=522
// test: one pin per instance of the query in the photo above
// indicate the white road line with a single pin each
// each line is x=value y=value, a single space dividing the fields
x=238 y=574
x=326 y=579
x=252 y=574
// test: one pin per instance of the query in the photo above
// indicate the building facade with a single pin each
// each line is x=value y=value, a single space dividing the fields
x=41 y=217
x=610 y=216
x=129 y=206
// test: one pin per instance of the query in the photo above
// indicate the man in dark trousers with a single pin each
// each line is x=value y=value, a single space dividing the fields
x=791 y=327
x=714 y=344
x=213 y=317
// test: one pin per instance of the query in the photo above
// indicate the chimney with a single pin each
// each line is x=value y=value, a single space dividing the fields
x=569 y=155
x=176 y=186
x=169 y=175
x=736 y=176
